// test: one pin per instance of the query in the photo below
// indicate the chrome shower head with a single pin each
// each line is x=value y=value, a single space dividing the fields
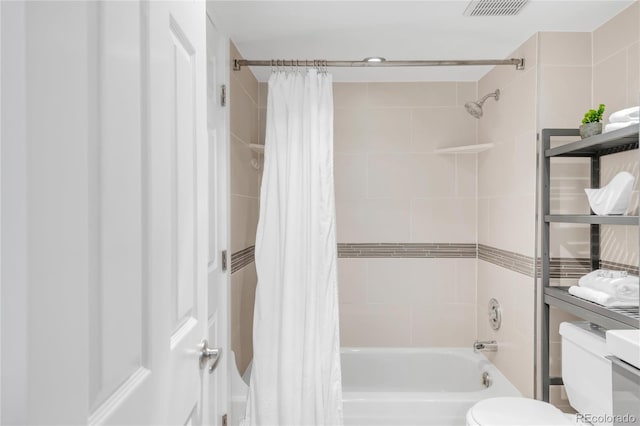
x=475 y=107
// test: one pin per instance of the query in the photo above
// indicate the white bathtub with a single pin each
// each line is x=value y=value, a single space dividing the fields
x=400 y=387
x=389 y=386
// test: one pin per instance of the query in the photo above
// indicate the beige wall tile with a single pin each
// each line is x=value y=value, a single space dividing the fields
x=388 y=130
x=407 y=281
x=616 y=33
x=555 y=359
x=565 y=48
x=394 y=281
x=385 y=95
x=607 y=87
x=493 y=166
x=443 y=286
x=433 y=175
x=614 y=245
x=565 y=95
x=376 y=220
x=528 y=50
x=262 y=125
x=466 y=175
x=374 y=325
x=390 y=176
x=633 y=240
x=484 y=221
x=263 y=91
x=350 y=176
x=512 y=223
x=350 y=95
x=434 y=128
x=243 y=287
x=514 y=291
x=244 y=180
x=633 y=74
x=245 y=77
x=523 y=165
x=568 y=240
x=405 y=176
x=350 y=128
x=372 y=130
x=467 y=91
x=244 y=221
x=444 y=325
x=352 y=281
x=441 y=220
x=466 y=278
x=244 y=114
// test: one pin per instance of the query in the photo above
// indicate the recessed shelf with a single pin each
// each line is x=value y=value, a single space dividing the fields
x=465 y=149
x=256 y=147
x=592 y=219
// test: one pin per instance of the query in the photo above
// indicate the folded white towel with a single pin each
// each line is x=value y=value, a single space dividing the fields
x=615 y=126
x=627 y=114
x=599 y=297
x=617 y=284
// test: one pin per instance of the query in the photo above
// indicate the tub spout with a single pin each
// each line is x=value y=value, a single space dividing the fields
x=488 y=346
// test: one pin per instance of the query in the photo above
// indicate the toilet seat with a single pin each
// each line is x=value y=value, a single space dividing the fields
x=512 y=411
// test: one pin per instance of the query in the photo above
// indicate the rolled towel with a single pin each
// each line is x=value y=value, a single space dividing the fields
x=615 y=126
x=624 y=115
x=599 y=297
x=617 y=284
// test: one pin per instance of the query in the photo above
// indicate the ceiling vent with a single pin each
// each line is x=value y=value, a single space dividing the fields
x=494 y=7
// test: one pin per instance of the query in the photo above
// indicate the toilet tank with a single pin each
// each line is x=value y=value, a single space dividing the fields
x=586 y=372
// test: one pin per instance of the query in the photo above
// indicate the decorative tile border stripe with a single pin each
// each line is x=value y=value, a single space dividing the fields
x=560 y=267
x=242 y=258
x=507 y=259
x=563 y=267
x=606 y=264
x=566 y=267
x=406 y=250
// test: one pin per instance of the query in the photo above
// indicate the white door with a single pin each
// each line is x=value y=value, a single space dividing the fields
x=116 y=202
x=219 y=268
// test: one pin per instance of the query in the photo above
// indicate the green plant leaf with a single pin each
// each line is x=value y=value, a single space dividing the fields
x=593 y=116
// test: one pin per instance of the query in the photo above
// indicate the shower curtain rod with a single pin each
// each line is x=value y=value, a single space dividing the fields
x=239 y=63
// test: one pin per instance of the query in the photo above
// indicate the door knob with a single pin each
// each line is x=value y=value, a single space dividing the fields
x=209 y=356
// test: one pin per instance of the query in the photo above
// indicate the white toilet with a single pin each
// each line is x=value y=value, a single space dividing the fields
x=587 y=379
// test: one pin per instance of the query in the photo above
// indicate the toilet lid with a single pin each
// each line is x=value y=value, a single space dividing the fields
x=510 y=411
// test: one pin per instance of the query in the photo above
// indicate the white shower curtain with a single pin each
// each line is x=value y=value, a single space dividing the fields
x=295 y=377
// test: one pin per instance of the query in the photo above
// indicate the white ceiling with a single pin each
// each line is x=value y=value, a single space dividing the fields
x=396 y=30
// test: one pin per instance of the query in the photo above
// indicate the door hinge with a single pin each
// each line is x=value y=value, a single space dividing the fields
x=224 y=260
x=223 y=95
x=224 y=420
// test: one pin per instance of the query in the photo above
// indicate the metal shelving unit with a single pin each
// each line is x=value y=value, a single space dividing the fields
x=594 y=148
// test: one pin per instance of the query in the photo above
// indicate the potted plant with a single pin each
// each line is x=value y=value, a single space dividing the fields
x=592 y=122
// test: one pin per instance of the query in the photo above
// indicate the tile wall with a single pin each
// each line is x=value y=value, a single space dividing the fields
x=506 y=213
x=397 y=202
x=408 y=220
x=245 y=189
x=616 y=83
x=565 y=95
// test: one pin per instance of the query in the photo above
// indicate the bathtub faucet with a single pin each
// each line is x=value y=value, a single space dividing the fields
x=488 y=345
